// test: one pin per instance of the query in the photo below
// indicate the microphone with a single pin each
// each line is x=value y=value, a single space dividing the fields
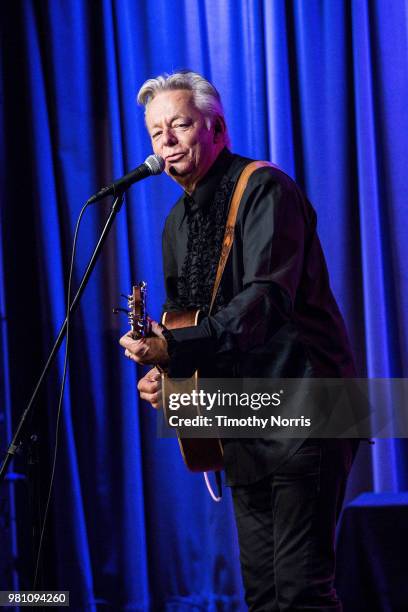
x=154 y=164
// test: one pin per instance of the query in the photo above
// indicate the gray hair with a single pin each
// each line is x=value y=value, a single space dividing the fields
x=206 y=97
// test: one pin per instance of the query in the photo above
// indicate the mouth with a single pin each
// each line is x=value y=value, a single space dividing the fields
x=174 y=158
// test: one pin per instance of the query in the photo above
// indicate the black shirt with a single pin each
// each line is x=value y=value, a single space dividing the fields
x=275 y=315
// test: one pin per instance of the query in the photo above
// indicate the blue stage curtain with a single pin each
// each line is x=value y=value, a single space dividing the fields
x=318 y=87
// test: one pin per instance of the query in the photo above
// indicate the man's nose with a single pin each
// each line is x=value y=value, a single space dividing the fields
x=169 y=137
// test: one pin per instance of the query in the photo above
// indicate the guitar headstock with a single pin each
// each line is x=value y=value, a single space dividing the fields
x=138 y=318
x=137 y=313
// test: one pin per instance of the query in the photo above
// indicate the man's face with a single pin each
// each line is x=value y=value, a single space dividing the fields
x=180 y=135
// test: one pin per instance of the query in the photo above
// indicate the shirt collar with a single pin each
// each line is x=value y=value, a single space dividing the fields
x=204 y=193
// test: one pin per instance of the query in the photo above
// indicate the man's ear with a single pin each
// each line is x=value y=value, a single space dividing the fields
x=219 y=129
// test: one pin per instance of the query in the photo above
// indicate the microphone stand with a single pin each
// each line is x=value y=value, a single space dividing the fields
x=15 y=443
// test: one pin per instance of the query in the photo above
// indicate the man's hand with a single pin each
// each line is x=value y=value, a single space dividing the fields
x=150 y=388
x=147 y=351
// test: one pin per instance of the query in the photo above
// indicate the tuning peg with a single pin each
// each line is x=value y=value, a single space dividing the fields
x=117 y=310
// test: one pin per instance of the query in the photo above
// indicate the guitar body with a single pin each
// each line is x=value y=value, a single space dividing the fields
x=199 y=454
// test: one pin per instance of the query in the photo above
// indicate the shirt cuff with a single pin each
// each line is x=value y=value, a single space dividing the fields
x=188 y=347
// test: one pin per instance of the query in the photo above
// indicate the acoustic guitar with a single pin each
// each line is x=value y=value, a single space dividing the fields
x=199 y=454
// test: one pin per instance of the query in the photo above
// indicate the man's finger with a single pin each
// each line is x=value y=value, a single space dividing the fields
x=138 y=350
x=157 y=329
x=131 y=356
x=154 y=374
x=148 y=386
x=130 y=343
x=153 y=398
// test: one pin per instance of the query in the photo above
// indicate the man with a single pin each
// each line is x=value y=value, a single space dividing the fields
x=274 y=316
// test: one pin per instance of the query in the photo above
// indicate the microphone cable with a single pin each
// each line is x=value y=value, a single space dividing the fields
x=61 y=395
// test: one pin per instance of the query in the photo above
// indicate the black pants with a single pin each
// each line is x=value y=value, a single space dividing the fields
x=286 y=529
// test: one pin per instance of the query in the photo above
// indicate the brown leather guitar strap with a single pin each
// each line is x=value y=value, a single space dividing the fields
x=232 y=217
